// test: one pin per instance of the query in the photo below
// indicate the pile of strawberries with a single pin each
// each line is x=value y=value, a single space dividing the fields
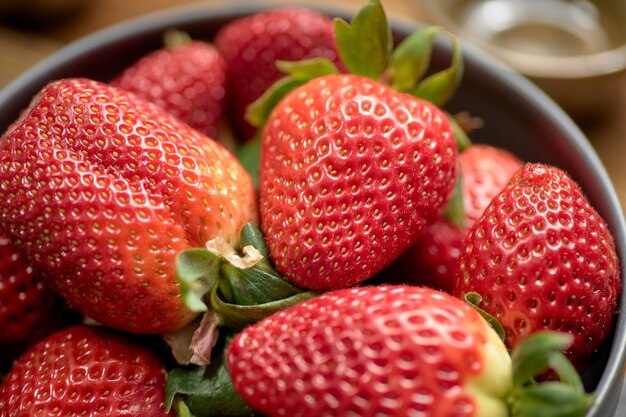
x=286 y=222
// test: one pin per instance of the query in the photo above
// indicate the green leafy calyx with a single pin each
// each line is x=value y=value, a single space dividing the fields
x=365 y=44
x=565 y=397
x=298 y=73
x=474 y=299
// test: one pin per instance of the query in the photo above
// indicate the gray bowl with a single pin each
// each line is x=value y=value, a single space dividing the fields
x=574 y=50
x=516 y=114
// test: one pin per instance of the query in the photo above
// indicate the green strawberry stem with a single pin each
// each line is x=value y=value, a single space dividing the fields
x=533 y=356
x=540 y=352
x=252 y=235
x=551 y=399
x=239 y=316
x=565 y=370
x=251 y=286
x=455 y=212
x=474 y=299
x=249 y=156
x=365 y=47
x=411 y=59
x=462 y=140
x=233 y=290
x=365 y=44
x=174 y=37
x=240 y=294
x=409 y=63
x=439 y=87
x=197 y=271
x=298 y=73
x=181 y=409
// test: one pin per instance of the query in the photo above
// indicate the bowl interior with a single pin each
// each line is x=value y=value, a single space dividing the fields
x=516 y=116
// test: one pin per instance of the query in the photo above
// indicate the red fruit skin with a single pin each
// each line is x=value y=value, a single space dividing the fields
x=252 y=45
x=189 y=81
x=485 y=170
x=85 y=370
x=101 y=190
x=29 y=310
x=352 y=173
x=543 y=258
x=368 y=351
x=433 y=261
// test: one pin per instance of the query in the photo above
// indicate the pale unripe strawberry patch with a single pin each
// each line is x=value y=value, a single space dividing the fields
x=494 y=382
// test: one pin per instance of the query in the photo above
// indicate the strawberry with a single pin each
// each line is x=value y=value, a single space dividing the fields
x=85 y=370
x=29 y=310
x=484 y=171
x=101 y=190
x=432 y=261
x=541 y=257
x=354 y=167
x=372 y=351
x=252 y=45
x=352 y=172
x=187 y=78
x=389 y=350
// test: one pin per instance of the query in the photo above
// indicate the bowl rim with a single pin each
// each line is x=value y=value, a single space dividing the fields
x=612 y=377
x=580 y=66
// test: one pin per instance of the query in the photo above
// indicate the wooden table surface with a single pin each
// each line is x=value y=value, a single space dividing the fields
x=23 y=45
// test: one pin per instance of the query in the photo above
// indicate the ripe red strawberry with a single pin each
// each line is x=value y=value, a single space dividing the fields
x=188 y=80
x=29 y=310
x=542 y=258
x=352 y=172
x=101 y=190
x=252 y=45
x=432 y=261
x=85 y=370
x=484 y=170
x=371 y=351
